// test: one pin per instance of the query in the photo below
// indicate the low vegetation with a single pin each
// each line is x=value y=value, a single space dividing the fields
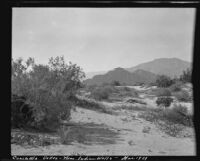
x=164 y=101
x=131 y=107
x=176 y=87
x=109 y=92
x=43 y=96
x=90 y=104
x=46 y=88
x=183 y=96
x=171 y=119
x=164 y=81
x=102 y=92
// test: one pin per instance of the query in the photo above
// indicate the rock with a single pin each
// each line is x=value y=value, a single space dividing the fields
x=146 y=129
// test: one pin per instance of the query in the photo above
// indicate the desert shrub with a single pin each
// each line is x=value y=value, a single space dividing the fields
x=90 y=104
x=164 y=101
x=171 y=121
x=183 y=96
x=176 y=86
x=170 y=128
x=125 y=91
x=176 y=115
x=103 y=92
x=47 y=88
x=115 y=83
x=164 y=81
x=162 y=92
x=108 y=92
x=186 y=76
x=100 y=94
x=109 y=88
x=182 y=110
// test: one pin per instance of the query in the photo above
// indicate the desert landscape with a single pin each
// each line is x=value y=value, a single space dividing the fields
x=114 y=119
x=102 y=81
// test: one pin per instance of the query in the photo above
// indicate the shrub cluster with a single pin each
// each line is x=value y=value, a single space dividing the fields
x=176 y=86
x=125 y=91
x=183 y=96
x=178 y=114
x=47 y=88
x=173 y=119
x=164 y=81
x=164 y=101
x=115 y=83
x=102 y=92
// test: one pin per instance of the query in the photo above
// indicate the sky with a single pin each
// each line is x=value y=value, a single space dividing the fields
x=100 y=39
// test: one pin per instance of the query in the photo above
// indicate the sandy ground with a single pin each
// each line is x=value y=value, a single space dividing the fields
x=133 y=141
x=135 y=137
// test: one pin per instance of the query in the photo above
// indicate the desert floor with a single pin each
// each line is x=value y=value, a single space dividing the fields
x=120 y=133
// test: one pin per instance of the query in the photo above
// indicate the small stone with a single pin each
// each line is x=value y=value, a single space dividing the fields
x=146 y=129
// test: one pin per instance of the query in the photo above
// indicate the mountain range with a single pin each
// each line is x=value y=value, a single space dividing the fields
x=167 y=66
x=142 y=73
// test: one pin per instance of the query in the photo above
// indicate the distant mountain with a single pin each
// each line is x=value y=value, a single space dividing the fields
x=92 y=74
x=167 y=66
x=123 y=76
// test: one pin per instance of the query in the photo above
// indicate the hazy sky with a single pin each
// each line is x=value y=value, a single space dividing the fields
x=99 y=39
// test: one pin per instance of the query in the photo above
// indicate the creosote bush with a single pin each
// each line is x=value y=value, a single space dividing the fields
x=164 y=81
x=164 y=101
x=115 y=83
x=47 y=88
x=101 y=93
x=176 y=86
x=104 y=92
x=183 y=96
x=177 y=115
x=170 y=120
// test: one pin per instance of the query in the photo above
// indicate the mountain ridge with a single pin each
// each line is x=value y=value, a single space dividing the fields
x=172 y=67
x=123 y=76
x=142 y=73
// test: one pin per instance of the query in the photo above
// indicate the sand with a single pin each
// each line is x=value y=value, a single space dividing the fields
x=136 y=136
